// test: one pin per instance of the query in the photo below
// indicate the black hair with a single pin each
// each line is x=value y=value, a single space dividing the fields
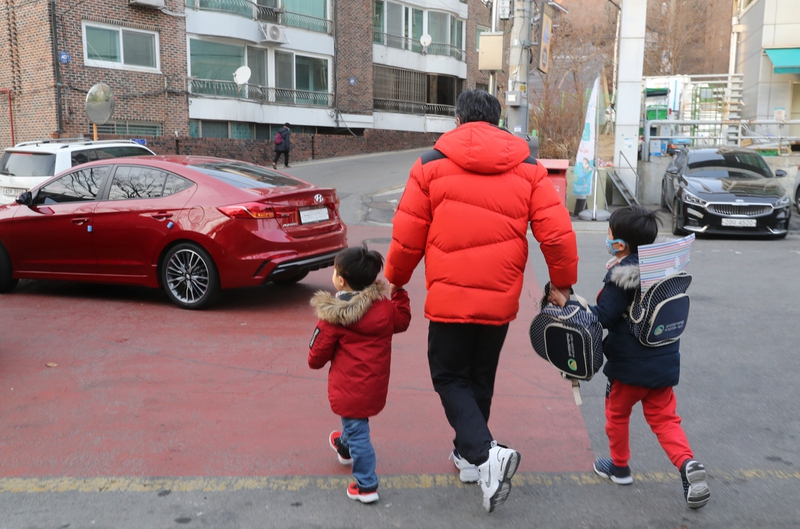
x=359 y=266
x=478 y=105
x=286 y=125
x=635 y=225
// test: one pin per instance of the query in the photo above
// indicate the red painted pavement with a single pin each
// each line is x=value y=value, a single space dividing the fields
x=145 y=389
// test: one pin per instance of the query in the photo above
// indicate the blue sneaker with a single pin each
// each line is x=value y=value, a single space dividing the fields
x=606 y=468
x=695 y=488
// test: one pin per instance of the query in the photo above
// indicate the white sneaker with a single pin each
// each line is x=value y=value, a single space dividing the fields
x=468 y=473
x=496 y=474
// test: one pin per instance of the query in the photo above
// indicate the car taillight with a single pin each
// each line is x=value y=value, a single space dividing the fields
x=257 y=210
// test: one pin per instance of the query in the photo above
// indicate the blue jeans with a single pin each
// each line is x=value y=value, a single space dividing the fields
x=355 y=435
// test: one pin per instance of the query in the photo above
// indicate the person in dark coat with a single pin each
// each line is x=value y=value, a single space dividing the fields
x=638 y=373
x=354 y=333
x=283 y=147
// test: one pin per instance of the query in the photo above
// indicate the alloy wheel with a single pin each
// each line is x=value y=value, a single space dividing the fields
x=188 y=276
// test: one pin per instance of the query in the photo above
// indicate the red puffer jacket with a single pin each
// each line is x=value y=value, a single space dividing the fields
x=355 y=335
x=466 y=208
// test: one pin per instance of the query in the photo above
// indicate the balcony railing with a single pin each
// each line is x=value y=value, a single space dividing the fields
x=261 y=13
x=407 y=43
x=261 y=94
x=411 y=107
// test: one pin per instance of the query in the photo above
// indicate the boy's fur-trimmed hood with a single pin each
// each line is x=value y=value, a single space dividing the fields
x=626 y=276
x=340 y=312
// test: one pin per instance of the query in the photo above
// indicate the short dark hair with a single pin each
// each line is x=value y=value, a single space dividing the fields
x=359 y=266
x=478 y=105
x=635 y=225
x=286 y=125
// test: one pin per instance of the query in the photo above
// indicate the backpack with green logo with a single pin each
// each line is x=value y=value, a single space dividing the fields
x=658 y=315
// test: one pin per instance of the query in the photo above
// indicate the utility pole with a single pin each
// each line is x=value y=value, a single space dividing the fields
x=493 y=74
x=518 y=68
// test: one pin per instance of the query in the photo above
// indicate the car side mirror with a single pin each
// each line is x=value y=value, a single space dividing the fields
x=25 y=199
x=779 y=173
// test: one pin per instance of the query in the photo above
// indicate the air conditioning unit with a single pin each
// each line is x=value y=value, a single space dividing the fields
x=273 y=33
x=157 y=4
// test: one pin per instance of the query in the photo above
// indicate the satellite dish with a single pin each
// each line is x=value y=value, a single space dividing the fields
x=241 y=75
x=99 y=103
x=425 y=40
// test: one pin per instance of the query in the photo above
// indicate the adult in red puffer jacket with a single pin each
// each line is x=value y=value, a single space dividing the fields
x=466 y=208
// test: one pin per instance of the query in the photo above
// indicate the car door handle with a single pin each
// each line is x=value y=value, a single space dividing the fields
x=161 y=215
x=80 y=221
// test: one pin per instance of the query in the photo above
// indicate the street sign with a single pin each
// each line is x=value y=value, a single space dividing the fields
x=140 y=141
x=546 y=25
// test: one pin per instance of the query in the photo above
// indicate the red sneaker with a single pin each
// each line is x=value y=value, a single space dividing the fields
x=342 y=452
x=354 y=492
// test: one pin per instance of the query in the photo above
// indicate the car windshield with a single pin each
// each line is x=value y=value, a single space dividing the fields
x=244 y=175
x=721 y=164
x=27 y=164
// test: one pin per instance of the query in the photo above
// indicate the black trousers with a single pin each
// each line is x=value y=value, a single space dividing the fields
x=278 y=157
x=463 y=362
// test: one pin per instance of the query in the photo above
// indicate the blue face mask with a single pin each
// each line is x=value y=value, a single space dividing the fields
x=610 y=245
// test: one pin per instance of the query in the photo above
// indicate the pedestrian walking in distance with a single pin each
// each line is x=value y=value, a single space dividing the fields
x=466 y=208
x=638 y=373
x=354 y=333
x=283 y=144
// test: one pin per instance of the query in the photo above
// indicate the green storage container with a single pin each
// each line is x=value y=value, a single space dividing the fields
x=656 y=112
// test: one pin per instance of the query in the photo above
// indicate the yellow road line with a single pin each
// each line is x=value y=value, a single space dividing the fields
x=410 y=481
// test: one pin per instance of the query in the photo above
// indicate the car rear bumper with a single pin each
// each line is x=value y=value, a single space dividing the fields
x=293 y=267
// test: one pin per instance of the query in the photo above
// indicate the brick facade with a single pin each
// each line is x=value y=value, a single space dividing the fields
x=140 y=96
x=353 y=32
x=304 y=146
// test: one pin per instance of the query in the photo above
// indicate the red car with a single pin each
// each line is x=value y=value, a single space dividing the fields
x=192 y=225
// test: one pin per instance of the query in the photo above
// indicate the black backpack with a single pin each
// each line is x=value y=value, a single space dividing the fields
x=659 y=315
x=570 y=338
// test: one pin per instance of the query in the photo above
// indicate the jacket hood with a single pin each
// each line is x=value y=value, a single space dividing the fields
x=483 y=148
x=347 y=312
x=626 y=274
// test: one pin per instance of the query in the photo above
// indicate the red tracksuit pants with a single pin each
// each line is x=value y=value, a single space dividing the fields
x=659 y=406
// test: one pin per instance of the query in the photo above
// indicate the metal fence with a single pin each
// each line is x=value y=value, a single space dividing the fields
x=411 y=44
x=262 y=13
x=409 y=107
x=260 y=94
x=770 y=136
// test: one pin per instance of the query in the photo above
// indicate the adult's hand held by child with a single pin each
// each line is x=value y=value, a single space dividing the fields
x=557 y=297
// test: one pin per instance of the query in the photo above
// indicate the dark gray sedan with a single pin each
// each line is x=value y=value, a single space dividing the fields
x=718 y=190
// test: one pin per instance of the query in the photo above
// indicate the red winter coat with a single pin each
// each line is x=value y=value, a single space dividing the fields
x=466 y=209
x=355 y=335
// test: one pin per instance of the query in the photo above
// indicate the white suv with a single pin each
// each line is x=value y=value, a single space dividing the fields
x=30 y=163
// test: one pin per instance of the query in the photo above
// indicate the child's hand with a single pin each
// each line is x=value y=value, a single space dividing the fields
x=556 y=297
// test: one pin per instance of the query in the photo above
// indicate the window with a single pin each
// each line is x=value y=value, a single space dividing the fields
x=129 y=128
x=314 y=8
x=77 y=186
x=242 y=175
x=137 y=182
x=480 y=30
x=447 y=35
x=106 y=46
x=27 y=164
x=257 y=62
x=105 y=153
x=145 y=182
x=212 y=61
x=306 y=74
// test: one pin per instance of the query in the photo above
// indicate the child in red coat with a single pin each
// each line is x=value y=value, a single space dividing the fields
x=354 y=333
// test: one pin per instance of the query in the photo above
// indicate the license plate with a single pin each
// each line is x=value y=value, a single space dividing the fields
x=739 y=223
x=308 y=216
x=12 y=191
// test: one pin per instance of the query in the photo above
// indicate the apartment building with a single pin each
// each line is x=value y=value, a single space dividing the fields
x=333 y=68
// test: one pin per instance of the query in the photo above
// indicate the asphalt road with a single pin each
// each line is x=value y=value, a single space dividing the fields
x=738 y=397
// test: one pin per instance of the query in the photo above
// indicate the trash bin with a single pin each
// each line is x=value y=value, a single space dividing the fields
x=557 y=173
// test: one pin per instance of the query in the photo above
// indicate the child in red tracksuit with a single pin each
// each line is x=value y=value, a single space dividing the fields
x=354 y=333
x=637 y=373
